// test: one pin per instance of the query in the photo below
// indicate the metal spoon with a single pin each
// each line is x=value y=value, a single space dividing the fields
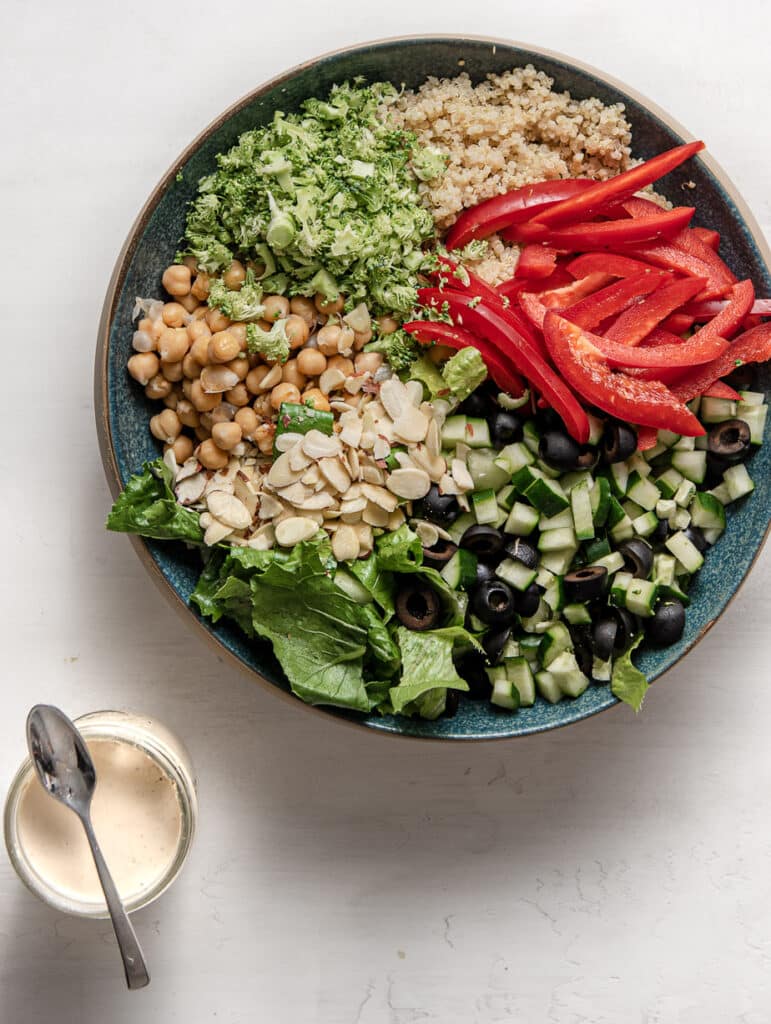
x=65 y=769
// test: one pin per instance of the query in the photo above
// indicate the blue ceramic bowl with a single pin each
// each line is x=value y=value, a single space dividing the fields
x=123 y=412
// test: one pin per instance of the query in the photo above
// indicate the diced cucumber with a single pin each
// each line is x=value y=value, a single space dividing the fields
x=525 y=476
x=547 y=496
x=707 y=512
x=559 y=561
x=694 y=405
x=668 y=482
x=643 y=491
x=619 y=587
x=562 y=519
x=632 y=509
x=548 y=687
x=547 y=470
x=520 y=675
x=554 y=540
x=623 y=530
x=653 y=453
x=531 y=436
x=602 y=670
x=680 y=519
x=687 y=554
x=715 y=410
x=484 y=506
x=529 y=644
x=615 y=512
x=619 y=477
x=567 y=675
x=569 y=480
x=600 y=500
x=554 y=595
x=641 y=597
x=738 y=481
x=577 y=614
x=461 y=524
x=505 y=694
x=755 y=418
x=454 y=431
x=712 y=535
x=506 y=497
x=612 y=562
x=693 y=465
x=673 y=590
x=667 y=438
x=637 y=464
x=555 y=640
x=580 y=501
x=663 y=569
x=544 y=578
x=460 y=572
x=515 y=573
x=596 y=428
x=511 y=649
x=484 y=472
x=522 y=520
x=685 y=444
x=513 y=457
x=645 y=524
x=665 y=508
x=597 y=549
x=541 y=614
x=684 y=493
x=752 y=398
x=701 y=443
x=722 y=494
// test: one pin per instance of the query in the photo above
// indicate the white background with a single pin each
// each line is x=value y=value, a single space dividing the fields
x=618 y=871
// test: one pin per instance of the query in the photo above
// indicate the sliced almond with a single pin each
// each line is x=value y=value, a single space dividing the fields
x=218 y=378
x=320 y=446
x=246 y=493
x=190 y=489
x=229 y=509
x=270 y=507
x=295 y=493
x=375 y=515
x=331 y=380
x=409 y=483
x=271 y=378
x=263 y=539
x=396 y=519
x=354 y=384
x=354 y=463
x=336 y=473
x=379 y=496
x=281 y=473
x=428 y=534
x=381 y=449
x=298 y=460
x=295 y=529
x=404 y=460
x=415 y=392
x=286 y=441
x=372 y=474
x=317 y=502
x=411 y=426
x=394 y=397
x=188 y=468
x=345 y=543
x=448 y=486
x=351 y=429
x=435 y=466
x=461 y=475
x=312 y=475
x=366 y=539
x=433 y=439
x=215 y=532
x=353 y=506
x=354 y=491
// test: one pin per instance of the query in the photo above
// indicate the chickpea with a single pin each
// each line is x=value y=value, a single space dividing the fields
x=202 y=433
x=172 y=370
x=327 y=339
x=318 y=398
x=157 y=327
x=202 y=401
x=296 y=330
x=239 y=395
x=206 y=422
x=182 y=448
x=291 y=374
x=187 y=388
x=216 y=319
x=224 y=413
x=346 y=340
x=189 y=303
x=262 y=407
x=239 y=366
x=234 y=276
x=199 y=313
x=191 y=368
x=199 y=350
x=439 y=353
x=361 y=338
x=176 y=279
x=223 y=347
x=143 y=367
x=263 y=438
x=166 y=426
x=171 y=401
x=275 y=307
x=342 y=364
x=173 y=314
x=174 y=344
x=200 y=287
x=239 y=331
x=188 y=416
x=284 y=393
x=247 y=420
x=325 y=306
x=258 y=269
x=145 y=325
x=226 y=435
x=158 y=387
x=302 y=307
x=387 y=325
x=368 y=362
x=311 y=362
x=255 y=377
x=255 y=359
x=210 y=456
x=199 y=329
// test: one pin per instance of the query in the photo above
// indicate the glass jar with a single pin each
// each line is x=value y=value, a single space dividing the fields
x=166 y=752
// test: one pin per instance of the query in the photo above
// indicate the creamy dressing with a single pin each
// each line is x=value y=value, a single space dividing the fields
x=136 y=816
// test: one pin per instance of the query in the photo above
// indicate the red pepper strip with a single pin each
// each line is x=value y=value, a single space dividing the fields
x=536 y=261
x=690 y=242
x=493 y=214
x=677 y=323
x=636 y=401
x=694 y=351
x=615 y=189
x=730 y=318
x=616 y=297
x=703 y=311
x=566 y=295
x=660 y=336
x=753 y=346
x=664 y=254
x=712 y=238
x=608 y=263
x=511 y=288
x=647 y=437
x=632 y=326
x=456 y=337
x=610 y=233
x=512 y=344
x=722 y=390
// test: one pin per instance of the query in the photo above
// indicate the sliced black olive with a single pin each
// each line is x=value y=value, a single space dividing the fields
x=585 y=584
x=668 y=622
x=417 y=606
x=730 y=441
x=582 y=647
x=696 y=537
x=742 y=377
x=619 y=441
x=442 y=509
x=480 y=403
x=526 y=601
x=485 y=571
x=559 y=450
x=495 y=642
x=483 y=541
x=523 y=551
x=628 y=628
x=638 y=557
x=588 y=458
x=661 y=532
x=470 y=666
x=505 y=427
x=439 y=554
x=604 y=636
x=493 y=603
x=451 y=702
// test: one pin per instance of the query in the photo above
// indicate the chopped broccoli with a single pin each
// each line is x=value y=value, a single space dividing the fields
x=464 y=372
x=399 y=348
x=272 y=344
x=242 y=305
x=429 y=164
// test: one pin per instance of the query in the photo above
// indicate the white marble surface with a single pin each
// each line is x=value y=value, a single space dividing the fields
x=614 y=872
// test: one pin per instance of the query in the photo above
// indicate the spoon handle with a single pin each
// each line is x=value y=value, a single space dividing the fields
x=137 y=975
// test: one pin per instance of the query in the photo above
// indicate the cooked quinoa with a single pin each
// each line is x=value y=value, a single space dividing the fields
x=507 y=131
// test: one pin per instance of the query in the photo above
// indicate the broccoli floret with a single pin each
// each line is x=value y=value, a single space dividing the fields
x=272 y=344
x=399 y=348
x=429 y=164
x=243 y=305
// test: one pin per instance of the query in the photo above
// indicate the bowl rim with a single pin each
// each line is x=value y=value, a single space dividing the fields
x=123 y=260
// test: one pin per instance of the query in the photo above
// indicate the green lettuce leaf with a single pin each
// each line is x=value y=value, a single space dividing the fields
x=464 y=372
x=627 y=682
x=429 y=376
x=426 y=666
x=149 y=507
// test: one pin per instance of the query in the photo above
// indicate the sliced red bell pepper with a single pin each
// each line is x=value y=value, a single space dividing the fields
x=636 y=401
x=605 y=233
x=729 y=319
x=593 y=309
x=712 y=238
x=693 y=352
x=637 y=321
x=677 y=323
x=722 y=390
x=660 y=336
x=608 y=263
x=639 y=206
x=567 y=294
x=689 y=241
x=647 y=437
x=455 y=337
x=496 y=213
x=536 y=262
x=703 y=311
x=754 y=346
x=510 y=289
x=533 y=308
x=665 y=254
x=486 y=323
x=602 y=193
